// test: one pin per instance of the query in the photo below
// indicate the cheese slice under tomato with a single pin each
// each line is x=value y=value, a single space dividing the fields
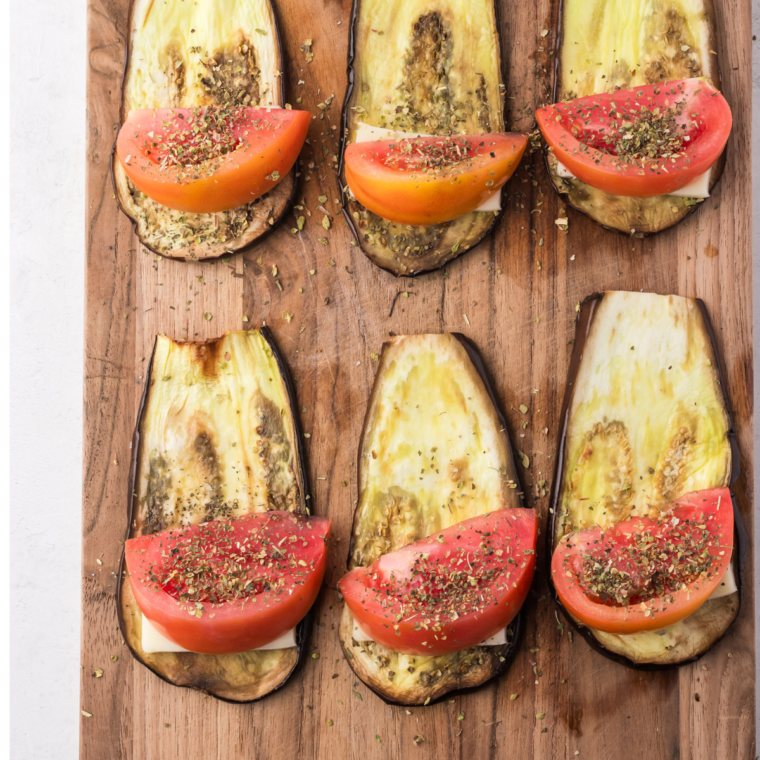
x=498 y=639
x=699 y=187
x=153 y=641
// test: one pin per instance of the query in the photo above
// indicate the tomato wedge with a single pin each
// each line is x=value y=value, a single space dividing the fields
x=431 y=180
x=210 y=159
x=641 y=142
x=643 y=575
x=449 y=591
x=228 y=586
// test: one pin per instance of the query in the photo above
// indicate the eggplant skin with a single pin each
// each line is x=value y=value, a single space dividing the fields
x=434 y=452
x=629 y=43
x=216 y=436
x=435 y=69
x=180 y=55
x=646 y=421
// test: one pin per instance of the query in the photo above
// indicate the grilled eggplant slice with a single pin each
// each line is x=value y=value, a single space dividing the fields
x=216 y=436
x=431 y=68
x=605 y=45
x=645 y=421
x=184 y=55
x=434 y=452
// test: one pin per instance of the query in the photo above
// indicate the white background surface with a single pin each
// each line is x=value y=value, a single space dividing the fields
x=48 y=118
x=48 y=53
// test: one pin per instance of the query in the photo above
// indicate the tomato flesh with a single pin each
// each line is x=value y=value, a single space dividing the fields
x=205 y=160
x=228 y=586
x=449 y=591
x=642 y=574
x=431 y=180
x=641 y=142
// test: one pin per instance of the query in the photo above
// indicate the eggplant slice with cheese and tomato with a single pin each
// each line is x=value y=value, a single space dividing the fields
x=219 y=498
x=217 y=64
x=440 y=517
x=425 y=78
x=611 y=46
x=646 y=541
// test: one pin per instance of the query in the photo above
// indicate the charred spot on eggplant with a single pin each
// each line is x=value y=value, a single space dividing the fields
x=216 y=437
x=434 y=452
x=433 y=70
x=616 y=44
x=179 y=56
x=646 y=420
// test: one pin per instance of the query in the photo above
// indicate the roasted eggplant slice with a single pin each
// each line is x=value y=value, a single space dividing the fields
x=434 y=452
x=183 y=55
x=216 y=436
x=430 y=68
x=645 y=421
x=605 y=45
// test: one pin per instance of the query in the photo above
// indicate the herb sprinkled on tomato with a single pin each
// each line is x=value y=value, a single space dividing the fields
x=229 y=585
x=211 y=158
x=431 y=180
x=641 y=142
x=645 y=574
x=449 y=591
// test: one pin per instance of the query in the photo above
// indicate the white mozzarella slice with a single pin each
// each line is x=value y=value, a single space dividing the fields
x=366 y=133
x=154 y=641
x=697 y=188
x=494 y=641
x=727 y=585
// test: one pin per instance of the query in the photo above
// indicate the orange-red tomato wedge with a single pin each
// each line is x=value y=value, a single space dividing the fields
x=210 y=159
x=431 y=180
x=450 y=591
x=641 y=142
x=228 y=586
x=643 y=575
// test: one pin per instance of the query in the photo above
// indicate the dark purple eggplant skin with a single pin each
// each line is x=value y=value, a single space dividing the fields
x=344 y=142
x=270 y=229
x=555 y=87
x=303 y=629
x=517 y=624
x=741 y=541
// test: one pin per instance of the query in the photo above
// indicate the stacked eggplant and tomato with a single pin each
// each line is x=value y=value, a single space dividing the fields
x=442 y=549
x=224 y=559
x=646 y=542
x=636 y=138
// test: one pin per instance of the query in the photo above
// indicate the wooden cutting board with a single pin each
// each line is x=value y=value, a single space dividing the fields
x=515 y=296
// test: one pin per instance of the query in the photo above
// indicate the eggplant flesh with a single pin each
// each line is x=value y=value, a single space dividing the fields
x=217 y=436
x=434 y=452
x=646 y=421
x=190 y=54
x=431 y=68
x=606 y=45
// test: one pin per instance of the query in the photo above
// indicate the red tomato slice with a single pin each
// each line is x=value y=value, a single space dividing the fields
x=450 y=591
x=205 y=160
x=617 y=142
x=229 y=585
x=643 y=575
x=431 y=180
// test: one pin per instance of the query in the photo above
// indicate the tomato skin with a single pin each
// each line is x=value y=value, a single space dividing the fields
x=231 y=627
x=409 y=197
x=364 y=588
x=706 y=110
x=711 y=506
x=272 y=137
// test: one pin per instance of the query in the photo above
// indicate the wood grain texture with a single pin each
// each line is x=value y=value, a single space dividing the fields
x=519 y=313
